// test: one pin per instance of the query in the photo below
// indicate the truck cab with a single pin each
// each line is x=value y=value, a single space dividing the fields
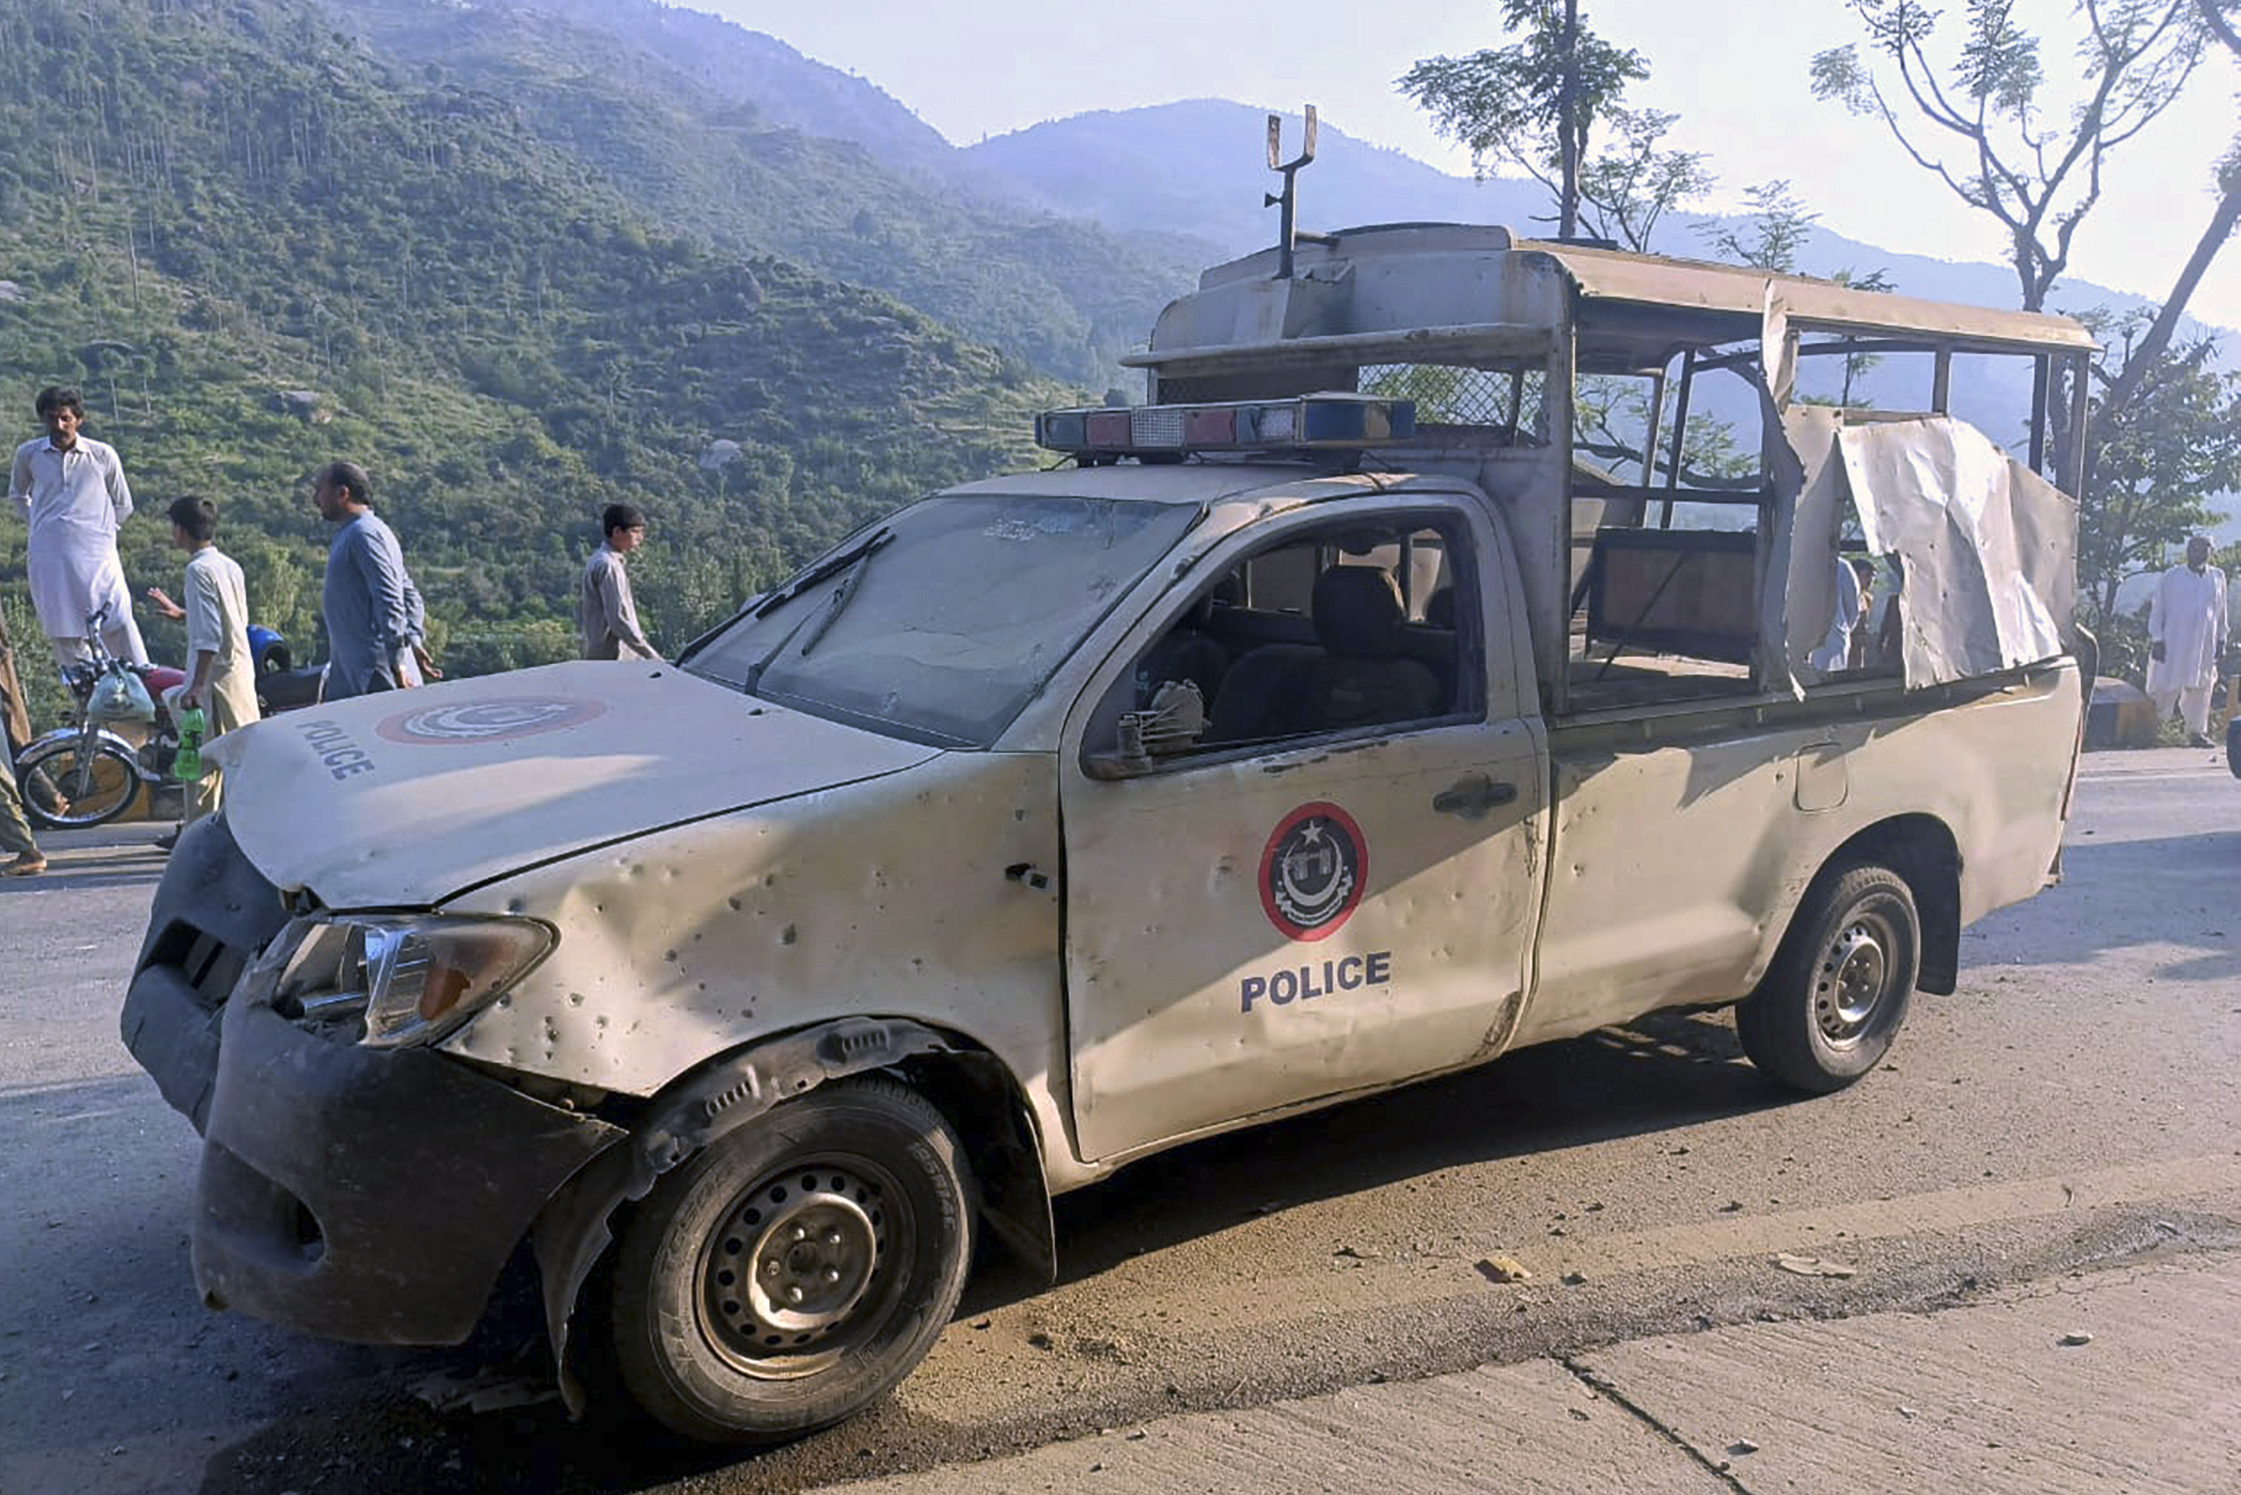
x=1388 y=691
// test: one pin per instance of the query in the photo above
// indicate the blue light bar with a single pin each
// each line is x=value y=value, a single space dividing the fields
x=1317 y=422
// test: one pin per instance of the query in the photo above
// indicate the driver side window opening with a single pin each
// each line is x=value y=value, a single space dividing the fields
x=1349 y=625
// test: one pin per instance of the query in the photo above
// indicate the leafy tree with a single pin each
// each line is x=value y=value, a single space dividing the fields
x=2177 y=440
x=1773 y=231
x=1535 y=102
x=1624 y=192
x=1776 y=230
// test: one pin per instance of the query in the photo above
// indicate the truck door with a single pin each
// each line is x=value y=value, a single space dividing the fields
x=1303 y=811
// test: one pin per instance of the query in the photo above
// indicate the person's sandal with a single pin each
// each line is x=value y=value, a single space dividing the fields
x=29 y=864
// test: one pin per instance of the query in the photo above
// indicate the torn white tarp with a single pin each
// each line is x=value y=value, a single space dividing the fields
x=1800 y=594
x=1987 y=545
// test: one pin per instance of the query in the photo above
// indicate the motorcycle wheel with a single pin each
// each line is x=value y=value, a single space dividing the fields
x=66 y=788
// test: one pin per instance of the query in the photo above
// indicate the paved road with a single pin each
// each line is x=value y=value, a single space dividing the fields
x=2074 y=1104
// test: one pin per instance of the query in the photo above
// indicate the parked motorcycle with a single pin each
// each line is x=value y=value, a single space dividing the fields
x=89 y=774
x=281 y=684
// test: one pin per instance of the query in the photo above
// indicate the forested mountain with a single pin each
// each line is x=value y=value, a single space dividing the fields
x=258 y=246
x=731 y=134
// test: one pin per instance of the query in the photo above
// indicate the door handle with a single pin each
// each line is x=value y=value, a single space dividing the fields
x=1472 y=795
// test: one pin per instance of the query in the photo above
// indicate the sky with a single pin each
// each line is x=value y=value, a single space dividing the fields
x=1735 y=71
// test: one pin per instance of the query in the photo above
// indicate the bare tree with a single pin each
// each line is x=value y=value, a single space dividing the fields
x=1978 y=123
x=1981 y=127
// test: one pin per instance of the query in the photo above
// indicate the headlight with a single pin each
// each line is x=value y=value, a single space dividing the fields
x=406 y=980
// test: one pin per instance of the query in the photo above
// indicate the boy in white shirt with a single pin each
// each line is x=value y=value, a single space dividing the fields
x=221 y=678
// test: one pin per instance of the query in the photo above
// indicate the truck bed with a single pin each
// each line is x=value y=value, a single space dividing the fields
x=1652 y=680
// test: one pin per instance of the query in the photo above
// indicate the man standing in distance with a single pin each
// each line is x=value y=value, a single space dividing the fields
x=373 y=611
x=71 y=490
x=2186 y=637
x=604 y=606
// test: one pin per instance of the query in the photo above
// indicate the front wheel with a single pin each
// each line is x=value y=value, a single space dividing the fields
x=1833 y=999
x=68 y=786
x=797 y=1268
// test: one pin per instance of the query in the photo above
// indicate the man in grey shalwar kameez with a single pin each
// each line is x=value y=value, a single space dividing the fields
x=374 y=613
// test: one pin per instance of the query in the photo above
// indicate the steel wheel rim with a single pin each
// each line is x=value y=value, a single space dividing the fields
x=1853 y=979
x=74 y=775
x=801 y=1266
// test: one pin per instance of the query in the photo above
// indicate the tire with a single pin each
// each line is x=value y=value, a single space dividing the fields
x=857 y=1204
x=1833 y=999
x=66 y=789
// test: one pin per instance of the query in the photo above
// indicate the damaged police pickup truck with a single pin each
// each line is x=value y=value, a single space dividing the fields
x=1373 y=701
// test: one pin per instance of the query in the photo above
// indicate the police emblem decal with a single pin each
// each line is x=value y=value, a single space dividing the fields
x=1313 y=871
x=494 y=720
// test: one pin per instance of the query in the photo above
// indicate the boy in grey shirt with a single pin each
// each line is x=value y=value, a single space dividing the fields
x=604 y=606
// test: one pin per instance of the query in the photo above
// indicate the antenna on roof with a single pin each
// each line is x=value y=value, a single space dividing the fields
x=1288 y=227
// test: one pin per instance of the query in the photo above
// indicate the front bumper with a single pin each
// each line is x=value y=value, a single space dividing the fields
x=361 y=1194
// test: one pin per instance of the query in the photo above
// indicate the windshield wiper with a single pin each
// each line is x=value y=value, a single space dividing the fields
x=754 y=674
x=839 y=560
x=841 y=597
x=857 y=559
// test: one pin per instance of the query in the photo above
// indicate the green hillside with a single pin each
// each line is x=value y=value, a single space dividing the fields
x=257 y=247
x=670 y=108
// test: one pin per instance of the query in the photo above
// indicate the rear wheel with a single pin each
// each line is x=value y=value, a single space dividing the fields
x=67 y=786
x=797 y=1268
x=1838 y=989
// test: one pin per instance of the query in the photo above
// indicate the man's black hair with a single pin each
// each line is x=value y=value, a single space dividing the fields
x=60 y=397
x=347 y=475
x=621 y=516
x=198 y=517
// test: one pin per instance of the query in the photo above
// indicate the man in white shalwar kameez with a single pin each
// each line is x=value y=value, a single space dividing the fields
x=2186 y=639
x=71 y=490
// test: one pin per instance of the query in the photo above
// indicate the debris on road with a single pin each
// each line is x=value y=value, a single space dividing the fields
x=1814 y=1266
x=487 y=1390
x=2075 y=1338
x=1503 y=1269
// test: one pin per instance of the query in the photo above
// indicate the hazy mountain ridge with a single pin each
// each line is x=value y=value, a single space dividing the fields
x=704 y=148
x=1198 y=167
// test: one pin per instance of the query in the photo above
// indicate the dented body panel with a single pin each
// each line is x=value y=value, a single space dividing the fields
x=886 y=898
x=1685 y=905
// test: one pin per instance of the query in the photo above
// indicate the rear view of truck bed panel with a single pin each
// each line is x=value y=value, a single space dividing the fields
x=1682 y=844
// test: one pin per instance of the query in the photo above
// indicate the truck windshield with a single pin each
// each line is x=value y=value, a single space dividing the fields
x=948 y=619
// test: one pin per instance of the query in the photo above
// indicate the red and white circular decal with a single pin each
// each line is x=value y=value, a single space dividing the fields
x=1313 y=871
x=498 y=719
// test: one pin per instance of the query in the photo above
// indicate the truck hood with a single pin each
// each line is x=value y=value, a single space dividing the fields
x=403 y=799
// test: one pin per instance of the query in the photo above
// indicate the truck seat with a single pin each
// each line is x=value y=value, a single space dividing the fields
x=1358 y=677
x=1263 y=694
x=1364 y=678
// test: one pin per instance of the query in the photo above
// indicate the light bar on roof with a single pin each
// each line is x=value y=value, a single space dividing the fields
x=1303 y=422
